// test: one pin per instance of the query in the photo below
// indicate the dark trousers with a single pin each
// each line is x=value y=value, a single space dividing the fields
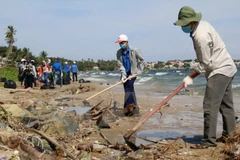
x=22 y=82
x=218 y=97
x=130 y=97
x=28 y=81
x=34 y=81
x=74 y=75
x=68 y=75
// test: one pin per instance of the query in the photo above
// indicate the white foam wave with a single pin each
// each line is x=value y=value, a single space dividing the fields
x=150 y=75
x=143 y=80
x=94 y=79
x=181 y=74
x=114 y=74
x=102 y=73
x=96 y=76
x=161 y=73
x=235 y=85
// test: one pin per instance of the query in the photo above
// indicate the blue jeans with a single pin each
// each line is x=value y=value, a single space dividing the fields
x=58 y=77
x=45 y=74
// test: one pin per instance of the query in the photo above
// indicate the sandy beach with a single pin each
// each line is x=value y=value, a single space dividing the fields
x=182 y=117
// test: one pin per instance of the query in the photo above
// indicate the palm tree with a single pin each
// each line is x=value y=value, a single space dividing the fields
x=43 y=55
x=9 y=38
x=26 y=53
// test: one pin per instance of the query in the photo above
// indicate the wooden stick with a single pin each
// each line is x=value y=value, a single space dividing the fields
x=120 y=82
x=108 y=142
x=147 y=116
x=49 y=139
x=145 y=139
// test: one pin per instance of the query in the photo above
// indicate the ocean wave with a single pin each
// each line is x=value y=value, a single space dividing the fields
x=161 y=73
x=149 y=74
x=143 y=80
x=95 y=76
x=94 y=79
x=102 y=73
x=114 y=74
x=235 y=86
x=181 y=74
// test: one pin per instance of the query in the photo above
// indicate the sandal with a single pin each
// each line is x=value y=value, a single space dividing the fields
x=201 y=146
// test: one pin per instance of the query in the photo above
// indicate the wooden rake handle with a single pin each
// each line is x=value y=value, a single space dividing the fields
x=149 y=114
x=120 y=82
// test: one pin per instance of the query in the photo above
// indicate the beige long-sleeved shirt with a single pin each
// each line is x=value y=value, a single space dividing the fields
x=211 y=52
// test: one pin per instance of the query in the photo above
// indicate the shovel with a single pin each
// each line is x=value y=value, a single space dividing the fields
x=149 y=114
x=85 y=102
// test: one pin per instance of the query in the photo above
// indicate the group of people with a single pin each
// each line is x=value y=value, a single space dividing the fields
x=214 y=60
x=29 y=75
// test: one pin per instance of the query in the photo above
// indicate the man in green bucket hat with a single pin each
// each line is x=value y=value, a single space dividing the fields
x=219 y=69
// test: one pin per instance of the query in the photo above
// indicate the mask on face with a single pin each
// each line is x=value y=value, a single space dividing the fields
x=123 y=45
x=186 y=29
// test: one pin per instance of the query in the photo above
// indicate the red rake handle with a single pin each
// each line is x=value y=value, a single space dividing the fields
x=147 y=116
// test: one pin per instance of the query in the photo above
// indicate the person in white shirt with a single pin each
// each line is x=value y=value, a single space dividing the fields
x=219 y=69
x=21 y=75
x=34 y=77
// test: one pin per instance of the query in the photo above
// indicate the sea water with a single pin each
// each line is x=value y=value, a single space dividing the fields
x=159 y=81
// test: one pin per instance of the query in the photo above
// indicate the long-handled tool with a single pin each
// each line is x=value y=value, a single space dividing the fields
x=148 y=115
x=85 y=102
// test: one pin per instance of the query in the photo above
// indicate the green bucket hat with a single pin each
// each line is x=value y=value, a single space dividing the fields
x=187 y=15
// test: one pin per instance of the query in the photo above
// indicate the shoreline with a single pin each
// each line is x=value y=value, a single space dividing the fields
x=183 y=117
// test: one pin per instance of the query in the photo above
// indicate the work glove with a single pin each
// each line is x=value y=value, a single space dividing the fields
x=187 y=81
x=61 y=74
x=123 y=77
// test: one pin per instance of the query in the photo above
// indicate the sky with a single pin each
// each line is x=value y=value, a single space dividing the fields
x=82 y=29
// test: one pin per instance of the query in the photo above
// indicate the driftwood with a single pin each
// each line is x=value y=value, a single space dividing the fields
x=5 y=148
x=10 y=121
x=49 y=139
x=20 y=90
x=32 y=153
x=38 y=124
x=145 y=139
x=144 y=147
x=15 y=125
x=108 y=142
x=119 y=147
x=85 y=146
x=108 y=110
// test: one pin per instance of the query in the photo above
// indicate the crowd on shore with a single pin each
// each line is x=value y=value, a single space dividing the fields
x=29 y=74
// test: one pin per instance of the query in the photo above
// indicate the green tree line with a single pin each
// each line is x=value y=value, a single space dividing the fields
x=83 y=65
x=14 y=54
